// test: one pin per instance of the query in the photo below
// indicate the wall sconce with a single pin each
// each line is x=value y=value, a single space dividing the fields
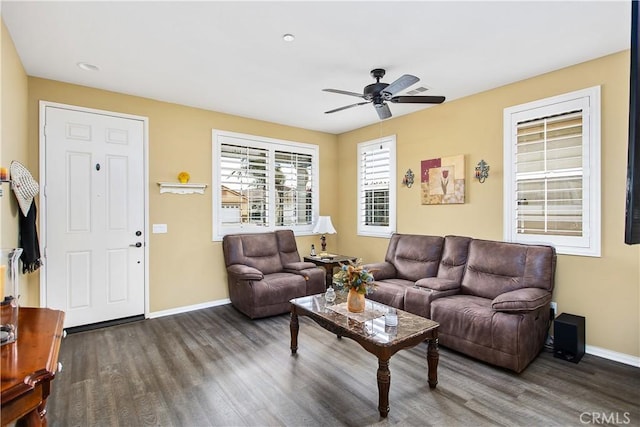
x=408 y=178
x=482 y=171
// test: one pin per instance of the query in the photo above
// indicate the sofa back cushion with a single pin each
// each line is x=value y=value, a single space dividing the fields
x=454 y=258
x=494 y=268
x=258 y=250
x=287 y=247
x=414 y=256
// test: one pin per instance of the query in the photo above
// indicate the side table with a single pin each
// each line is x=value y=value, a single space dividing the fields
x=329 y=263
x=29 y=365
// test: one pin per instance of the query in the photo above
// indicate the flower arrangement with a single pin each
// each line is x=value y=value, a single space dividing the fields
x=355 y=276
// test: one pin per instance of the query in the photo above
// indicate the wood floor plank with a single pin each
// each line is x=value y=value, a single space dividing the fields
x=215 y=367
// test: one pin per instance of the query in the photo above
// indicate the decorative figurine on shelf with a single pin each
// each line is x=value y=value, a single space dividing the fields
x=313 y=250
x=184 y=177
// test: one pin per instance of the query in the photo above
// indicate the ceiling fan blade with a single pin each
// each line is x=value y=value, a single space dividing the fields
x=399 y=85
x=344 y=92
x=345 y=107
x=418 y=99
x=383 y=111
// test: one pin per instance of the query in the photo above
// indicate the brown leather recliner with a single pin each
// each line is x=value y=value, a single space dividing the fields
x=264 y=272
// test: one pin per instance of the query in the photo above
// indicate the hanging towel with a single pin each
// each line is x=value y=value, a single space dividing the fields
x=29 y=241
x=25 y=188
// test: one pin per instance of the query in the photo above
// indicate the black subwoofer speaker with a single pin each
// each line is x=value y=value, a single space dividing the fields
x=568 y=337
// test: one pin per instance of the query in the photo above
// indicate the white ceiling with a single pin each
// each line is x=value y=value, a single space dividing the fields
x=230 y=56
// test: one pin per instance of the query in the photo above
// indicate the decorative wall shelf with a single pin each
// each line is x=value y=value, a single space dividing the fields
x=177 y=188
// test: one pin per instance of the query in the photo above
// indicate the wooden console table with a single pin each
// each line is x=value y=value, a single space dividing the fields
x=29 y=365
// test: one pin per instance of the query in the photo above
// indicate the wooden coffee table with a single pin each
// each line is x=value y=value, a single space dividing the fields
x=369 y=330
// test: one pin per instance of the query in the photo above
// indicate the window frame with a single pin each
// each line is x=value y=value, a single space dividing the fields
x=376 y=230
x=272 y=145
x=589 y=101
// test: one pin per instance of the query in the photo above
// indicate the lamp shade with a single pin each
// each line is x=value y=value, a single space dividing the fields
x=324 y=226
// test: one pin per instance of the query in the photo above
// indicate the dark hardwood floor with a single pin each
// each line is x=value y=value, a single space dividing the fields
x=215 y=367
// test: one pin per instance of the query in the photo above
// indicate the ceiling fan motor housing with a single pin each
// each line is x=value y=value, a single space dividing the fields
x=373 y=91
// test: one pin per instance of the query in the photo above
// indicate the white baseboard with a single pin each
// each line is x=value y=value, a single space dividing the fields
x=188 y=308
x=627 y=359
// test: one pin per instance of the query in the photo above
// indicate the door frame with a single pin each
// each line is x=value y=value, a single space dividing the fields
x=43 y=189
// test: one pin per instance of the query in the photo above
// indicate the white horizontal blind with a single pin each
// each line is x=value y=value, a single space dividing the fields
x=375 y=191
x=293 y=184
x=244 y=174
x=262 y=184
x=376 y=187
x=552 y=172
x=548 y=174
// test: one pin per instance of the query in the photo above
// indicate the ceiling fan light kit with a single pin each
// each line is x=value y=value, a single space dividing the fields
x=379 y=93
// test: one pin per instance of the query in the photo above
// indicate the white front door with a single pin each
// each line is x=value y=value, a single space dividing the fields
x=94 y=215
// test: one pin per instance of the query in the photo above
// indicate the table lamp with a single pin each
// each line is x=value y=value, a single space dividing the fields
x=324 y=226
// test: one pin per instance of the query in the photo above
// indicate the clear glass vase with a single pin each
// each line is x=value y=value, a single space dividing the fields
x=9 y=286
x=330 y=295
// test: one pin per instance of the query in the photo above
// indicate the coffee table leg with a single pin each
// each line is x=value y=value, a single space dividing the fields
x=294 y=327
x=384 y=381
x=432 y=361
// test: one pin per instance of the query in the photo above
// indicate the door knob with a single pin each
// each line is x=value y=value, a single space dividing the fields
x=137 y=245
x=138 y=233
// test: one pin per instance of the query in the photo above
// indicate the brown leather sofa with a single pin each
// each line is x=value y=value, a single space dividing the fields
x=491 y=298
x=264 y=272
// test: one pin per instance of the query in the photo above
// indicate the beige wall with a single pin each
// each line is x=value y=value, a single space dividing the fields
x=186 y=267
x=13 y=139
x=605 y=290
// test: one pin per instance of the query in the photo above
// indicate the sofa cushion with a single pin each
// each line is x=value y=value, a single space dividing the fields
x=521 y=300
x=454 y=257
x=437 y=284
x=390 y=292
x=465 y=316
x=258 y=250
x=494 y=268
x=299 y=266
x=287 y=246
x=278 y=287
x=414 y=256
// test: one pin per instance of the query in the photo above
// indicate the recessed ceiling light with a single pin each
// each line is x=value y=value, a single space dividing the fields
x=87 y=67
x=288 y=37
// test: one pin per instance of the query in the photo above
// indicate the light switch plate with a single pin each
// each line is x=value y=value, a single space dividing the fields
x=159 y=228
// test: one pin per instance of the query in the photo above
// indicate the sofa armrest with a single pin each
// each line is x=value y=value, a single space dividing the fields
x=294 y=267
x=381 y=270
x=244 y=272
x=437 y=284
x=521 y=300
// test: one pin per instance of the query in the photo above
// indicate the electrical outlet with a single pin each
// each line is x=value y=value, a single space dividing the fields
x=554 y=308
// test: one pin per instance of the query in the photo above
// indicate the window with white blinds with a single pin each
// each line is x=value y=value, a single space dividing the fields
x=262 y=184
x=552 y=173
x=377 y=187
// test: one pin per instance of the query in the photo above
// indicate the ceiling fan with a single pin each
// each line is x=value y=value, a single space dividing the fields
x=378 y=93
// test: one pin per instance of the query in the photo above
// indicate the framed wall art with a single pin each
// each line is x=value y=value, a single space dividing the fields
x=442 y=180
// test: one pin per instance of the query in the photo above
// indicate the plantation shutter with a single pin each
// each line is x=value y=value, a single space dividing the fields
x=293 y=185
x=549 y=175
x=375 y=178
x=244 y=177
